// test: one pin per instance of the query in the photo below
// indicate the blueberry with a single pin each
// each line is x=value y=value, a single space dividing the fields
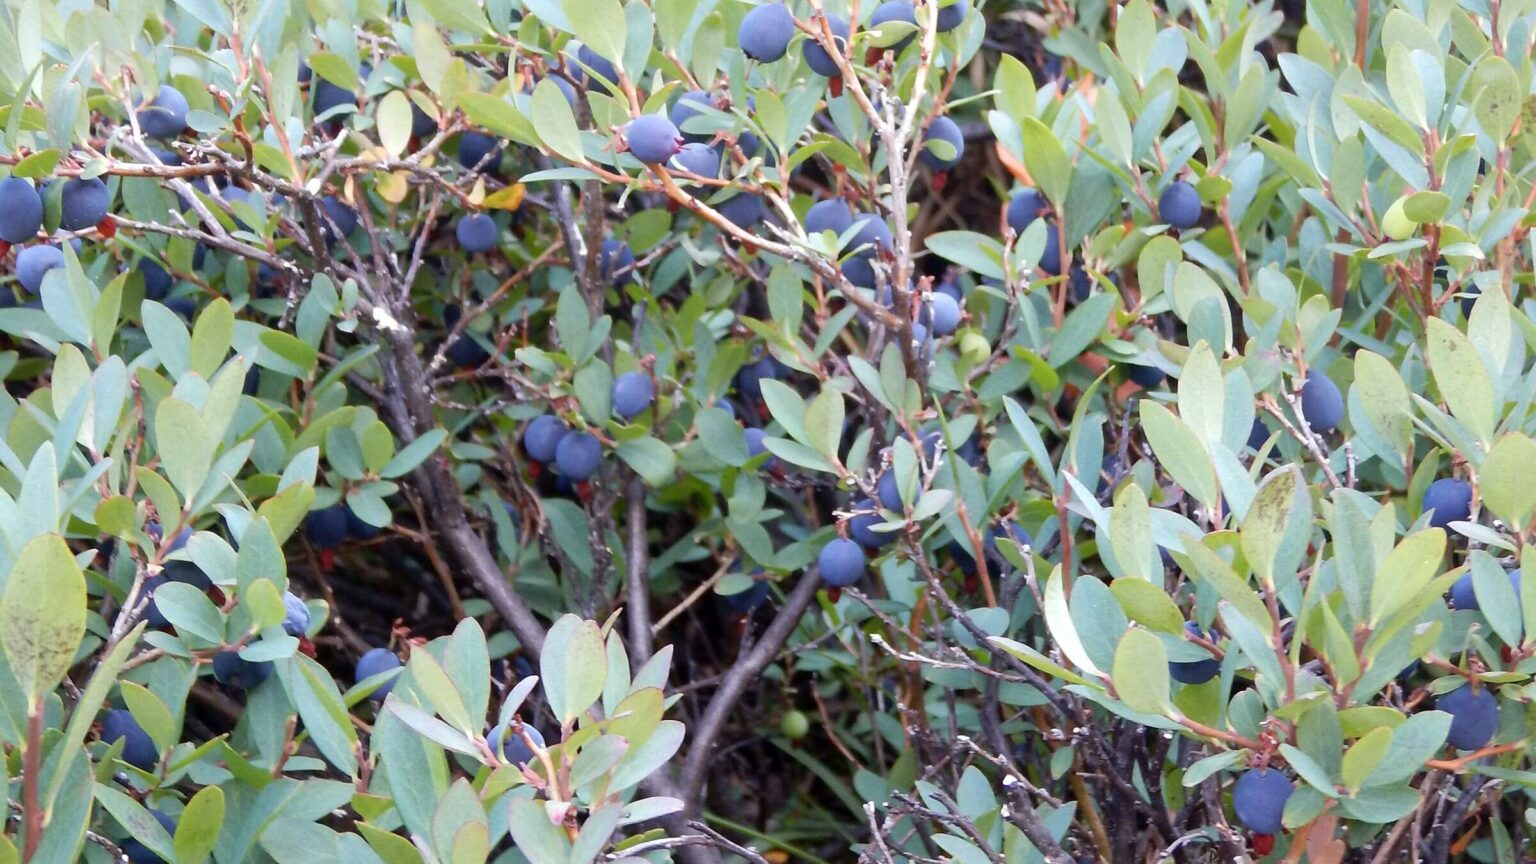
x=859 y=272
x=1050 y=258
x=744 y=209
x=870 y=234
x=543 y=436
x=329 y=97
x=1194 y=671
x=888 y=493
x=953 y=15
x=152 y=613
x=512 y=747
x=947 y=130
x=1258 y=434
x=1450 y=500
x=423 y=125
x=1145 y=376
x=1024 y=207
x=466 y=352
x=34 y=262
x=950 y=289
x=337 y=214
x=1474 y=716
x=165 y=157
x=166 y=116
x=377 y=662
x=138 y=748
x=1464 y=595
x=841 y=562
x=1322 y=405
x=21 y=210
x=727 y=406
x=895 y=12
x=1258 y=799
x=479 y=151
x=687 y=107
x=817 y=57
x=749 y=379
x=861 y=527
x=755 y=447
x=652 y=139
x=578 y=456
x=1012 y=530
x=476 y=232
x=833 y=215
x=157 y=282
x=137 y=852
x=765 y=32
x=615 y=256
x=82 y=203
x=295 y=615
x=698 y=158
x=1179 y=205
x=326 y=528
x=235 y=671
x=944 y=314
x=632 y=394
x=605 y=71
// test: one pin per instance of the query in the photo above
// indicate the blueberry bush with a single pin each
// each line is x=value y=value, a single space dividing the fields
x=563 y=431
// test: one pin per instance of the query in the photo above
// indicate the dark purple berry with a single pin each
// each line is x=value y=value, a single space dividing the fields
x=870 y=234
x=509 y=744
x=944 y=314
x=744 y=209
x=895 y=12
x=606 y=73
x=82 y=203
x=817 y=57
x=1145 y=376
x=137 y=852
x=615 y=262
x=632 y=394
x=34 y=262
x=698 y=158
x=157 y=282
x=1024 y=207
x=948 y=131
x=166 y=116
x=138 y=748
x=841 y=562
x=295 y=615
x=578 y=456
x=833 y=215
x=888 y=492
x=476 y=233
x=1322 y=405
x=21 y=211
x=235 y=671
x=1258 y=799
x=1448 y=500
x=1194 y=671
x=691 y=105
x=543 y=436
x=479 y=152
x=1179 y=205
x=953 y=15
x=326 y=528
x=652 y=139
x=1474 y=716
x=765 y=32
x=861 y=526
x=377 y=662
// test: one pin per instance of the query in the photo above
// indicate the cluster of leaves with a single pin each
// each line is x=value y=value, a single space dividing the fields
x=1170 y=504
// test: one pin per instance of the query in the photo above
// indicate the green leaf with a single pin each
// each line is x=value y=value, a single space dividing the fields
x=190 y=610
x=1461 y=377
x=1058 y=618
x=1405 y=572
x=198 y=831
x=393 y=117
x=1414 y=741
x=1496 y=597
x=1497 y=98
x=1141 y=672
x=139 y=824
x=593 y=384
x=414 y=453
x=211 y=337
x=1383 y=399
x=185 y=446
x=1130 y=536
x=456 y=15
x=442 y=696
x=1505 y=479
x=653 y=460
x=1148 y=605
x=599 y=24
x=536 y=837
x=1363 y=757
x=555 y=123
x=42 y=615
x=787 y=407
x=1046 y=160
x=1180 y=452
x=969 y=249
x=824 y=423
x=151 y=714
x=1277 y=525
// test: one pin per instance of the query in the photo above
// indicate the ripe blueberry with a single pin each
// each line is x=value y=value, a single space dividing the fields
x=1145 y=376
x=295 y=615
x=833 y=215
x=888 y=493
x=895 y=12
x=632 y=394
x=652 y=139
x=1450 y=500
x=818 y=58
x=687 y=107
x=861 y=527
x=578 y=456
x=235 y=671
x=1258 y=799
x=543 y=436
x=1194 y=671
x=357 y=529
x=21 y=210
x=755 y=447
x=841 y=562
x=1023 y=208
x=138 y=748
x=765 y=32
x=944 y=314
x=476 y=233
x=480 y=152
x=749 y=379
x=326 y=528
x=953 y=15
x=329 y=97
x=157 y=282
x=1014 y=532
x=377 y=662
x=338 y=214
x=859 y=272
x=743 y=602
x=1179 y=205
x=82 y=203
x=744 y=209
x=34 y=262
x=870 y=234
x=1474 y=716
x=1464 y=594
x=166 y=116
x=698 y=158
x=465 y=351
x=606 y=74
x=1258 y=434
x=947 y=130
x=1322 y=405
x=1050 y=258
x=614 y=256
x=508 y=743
x=422 y=123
